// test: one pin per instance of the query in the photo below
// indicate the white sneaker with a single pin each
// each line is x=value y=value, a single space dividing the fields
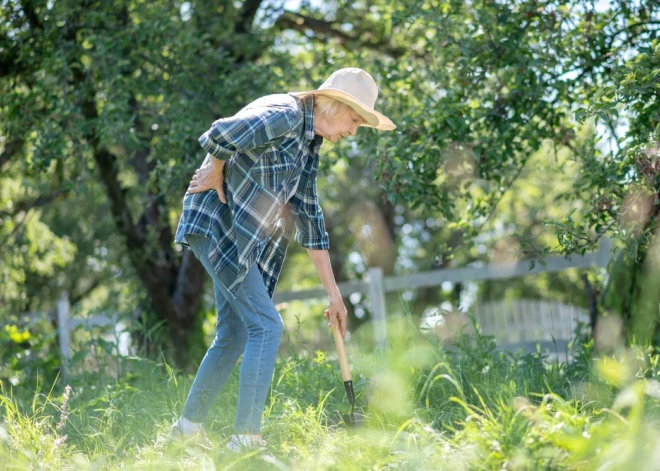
x=184 y=429
x=239 y=443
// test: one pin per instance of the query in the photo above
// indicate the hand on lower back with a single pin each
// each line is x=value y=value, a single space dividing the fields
x=210 y=176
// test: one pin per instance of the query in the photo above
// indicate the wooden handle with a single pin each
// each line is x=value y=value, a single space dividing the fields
x=341 y=352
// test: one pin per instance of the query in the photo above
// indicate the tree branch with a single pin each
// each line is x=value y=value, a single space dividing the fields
x=246 y=16
x=10 y=149
x=77 y=296
x=17 y=230
x=24 y=206
x=108 y=170
x=611 y=37
x=151 y=217
x=302 y=24
x=109 y=173
x=31 y=14
x=8 y=64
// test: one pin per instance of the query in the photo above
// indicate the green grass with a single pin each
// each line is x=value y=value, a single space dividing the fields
x=468 y=407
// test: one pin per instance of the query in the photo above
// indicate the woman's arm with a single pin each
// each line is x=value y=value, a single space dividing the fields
x=247 y=129
x=311 y=234
x=336 y=311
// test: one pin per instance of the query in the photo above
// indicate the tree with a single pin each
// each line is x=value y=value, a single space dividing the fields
x=102 y=103
x=477 y=88
x=623 y=187
x=110 y=96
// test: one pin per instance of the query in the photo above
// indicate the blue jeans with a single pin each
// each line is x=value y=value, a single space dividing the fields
x=249 y=325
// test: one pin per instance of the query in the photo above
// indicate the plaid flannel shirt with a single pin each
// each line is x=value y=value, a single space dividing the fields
x=269 y=147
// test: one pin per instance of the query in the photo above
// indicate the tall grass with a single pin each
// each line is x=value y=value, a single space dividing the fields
x=425 y=407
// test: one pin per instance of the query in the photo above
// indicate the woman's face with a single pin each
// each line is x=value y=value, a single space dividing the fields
x=338 y=127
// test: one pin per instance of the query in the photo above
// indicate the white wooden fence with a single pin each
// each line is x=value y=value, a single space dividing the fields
x=66 y=324
x=530 y=323
x=376 y=285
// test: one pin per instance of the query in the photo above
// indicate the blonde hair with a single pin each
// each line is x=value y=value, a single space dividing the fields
x=332 y=108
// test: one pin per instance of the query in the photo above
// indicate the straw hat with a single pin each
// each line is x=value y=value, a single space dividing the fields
x=357 y=89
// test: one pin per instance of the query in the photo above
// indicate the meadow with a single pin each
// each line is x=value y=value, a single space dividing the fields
x=426 y=406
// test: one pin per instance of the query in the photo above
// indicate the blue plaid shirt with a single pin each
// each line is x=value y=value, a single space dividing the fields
x=270 y=147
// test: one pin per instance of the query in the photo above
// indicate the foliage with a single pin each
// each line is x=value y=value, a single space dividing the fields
x=479 y=89
x=623 y=188
x=101 y=104
x=28 y=349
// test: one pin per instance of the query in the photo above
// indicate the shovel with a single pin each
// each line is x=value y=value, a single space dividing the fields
x=350 y=419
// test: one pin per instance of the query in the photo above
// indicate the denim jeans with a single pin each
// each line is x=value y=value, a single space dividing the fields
x=249 y=325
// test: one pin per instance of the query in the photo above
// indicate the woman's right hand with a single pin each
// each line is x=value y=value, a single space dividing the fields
x=210 y=176
x=336 y=313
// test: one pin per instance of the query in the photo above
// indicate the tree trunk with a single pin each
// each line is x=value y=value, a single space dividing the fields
x=163 y=278
x=174 y=287
x=632 y=289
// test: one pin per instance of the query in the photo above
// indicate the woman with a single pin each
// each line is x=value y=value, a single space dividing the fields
x=257 y=183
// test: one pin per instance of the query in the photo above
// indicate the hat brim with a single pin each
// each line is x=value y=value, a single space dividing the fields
x=373 y=118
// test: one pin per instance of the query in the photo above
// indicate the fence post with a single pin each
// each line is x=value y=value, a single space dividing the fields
x=64 y=328
x=378 y=310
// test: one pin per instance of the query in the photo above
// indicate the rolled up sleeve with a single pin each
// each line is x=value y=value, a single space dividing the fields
x=248 y=129
x=310 y=223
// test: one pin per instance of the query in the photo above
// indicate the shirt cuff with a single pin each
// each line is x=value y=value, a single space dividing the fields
x=314 y=243
x=213 y=148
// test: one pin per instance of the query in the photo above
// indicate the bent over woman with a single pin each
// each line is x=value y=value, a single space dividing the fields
x=256 y=184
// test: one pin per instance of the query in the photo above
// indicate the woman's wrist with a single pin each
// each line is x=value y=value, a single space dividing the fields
x=217 y=162
x=334 y=293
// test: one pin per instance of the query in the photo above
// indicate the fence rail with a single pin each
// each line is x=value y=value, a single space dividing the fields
x=376 y=285
x=492 y=271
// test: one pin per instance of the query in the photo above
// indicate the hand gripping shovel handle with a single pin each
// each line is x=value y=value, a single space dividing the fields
x=343 y=363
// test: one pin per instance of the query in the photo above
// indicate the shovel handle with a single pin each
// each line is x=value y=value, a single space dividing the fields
x=341 y=353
